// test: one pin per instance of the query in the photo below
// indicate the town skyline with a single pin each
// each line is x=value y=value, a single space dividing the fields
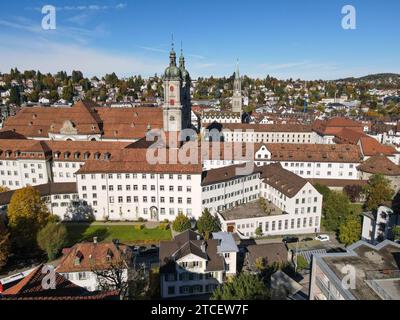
x=100 y=38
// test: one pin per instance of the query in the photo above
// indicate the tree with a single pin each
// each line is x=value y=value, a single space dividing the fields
x=350 y=230
x=377 y=191
x=76 y=76
x=52 y=239
x=396 y=232
x=181 y=223
x=4 y=244
x=15 y=96
x=336 y=207
x=353 y=192
x=259 y=264
x=245 y=286
x=68 y=93
x=117 y=275
x=27 y=214
x=3 y=189
x=207 y=224
x=258 y=232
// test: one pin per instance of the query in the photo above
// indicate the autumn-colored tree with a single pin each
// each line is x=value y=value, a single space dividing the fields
x=4 y=244
x=181 y=223
x=52 y=239
x=3 y=189
x=350 y=230
x=377 y=191
x=27 y=214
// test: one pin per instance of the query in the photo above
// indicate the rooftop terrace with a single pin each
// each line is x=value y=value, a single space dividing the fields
x=252 y=210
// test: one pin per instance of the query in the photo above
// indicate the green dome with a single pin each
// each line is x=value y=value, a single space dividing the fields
x=172 y=72
x=184 y=72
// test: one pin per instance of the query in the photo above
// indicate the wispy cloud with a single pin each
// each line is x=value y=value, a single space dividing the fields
x=92 y=7
x=51 y=56
x=63 y=32
x=152 y=49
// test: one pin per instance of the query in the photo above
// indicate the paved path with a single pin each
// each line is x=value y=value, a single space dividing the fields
x=148 y=224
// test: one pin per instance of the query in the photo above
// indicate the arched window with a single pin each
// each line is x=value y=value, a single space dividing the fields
x=97 y=156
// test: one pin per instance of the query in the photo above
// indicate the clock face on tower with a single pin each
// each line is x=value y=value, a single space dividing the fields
x=171 y=88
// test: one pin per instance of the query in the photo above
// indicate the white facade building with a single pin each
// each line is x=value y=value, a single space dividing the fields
x=190 y=265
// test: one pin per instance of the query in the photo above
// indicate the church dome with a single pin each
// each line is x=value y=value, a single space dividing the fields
x=184 y=72
x=172 y=72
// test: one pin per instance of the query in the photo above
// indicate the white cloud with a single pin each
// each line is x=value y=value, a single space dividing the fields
x=52 y=57
x=91 y=7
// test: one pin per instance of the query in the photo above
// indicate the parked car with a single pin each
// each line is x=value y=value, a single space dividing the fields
x=288 y=239
x=323 y=238
x=307 y=239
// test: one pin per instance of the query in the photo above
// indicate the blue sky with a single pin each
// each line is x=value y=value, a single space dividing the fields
x=286 y=38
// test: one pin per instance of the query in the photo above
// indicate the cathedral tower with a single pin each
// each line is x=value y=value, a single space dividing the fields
x=177 y=107
x=237 y=99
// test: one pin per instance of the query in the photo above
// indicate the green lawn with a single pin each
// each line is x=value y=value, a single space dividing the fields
x=78 y=232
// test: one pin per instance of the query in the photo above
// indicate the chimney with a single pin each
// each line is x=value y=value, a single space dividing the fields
x=204 y=246
x=95 y=240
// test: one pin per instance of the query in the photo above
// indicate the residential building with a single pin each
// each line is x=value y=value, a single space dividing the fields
x=289 y=204
x=377 y=225
x=191 y=265
x=82 y=263
x=31 y=288
x=364 y=272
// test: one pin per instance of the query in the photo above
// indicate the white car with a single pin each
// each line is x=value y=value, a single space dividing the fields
x=322 y=238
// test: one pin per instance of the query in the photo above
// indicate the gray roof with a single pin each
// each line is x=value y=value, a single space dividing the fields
x=227 y=243
x=47 y=189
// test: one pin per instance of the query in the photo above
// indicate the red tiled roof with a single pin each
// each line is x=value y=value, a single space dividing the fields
x=88 y=119
x=380 y=164
x=335 y=125
x=31 y=288
x=92 y=256
x=371 y=147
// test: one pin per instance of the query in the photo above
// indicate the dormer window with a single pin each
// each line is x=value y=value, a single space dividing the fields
x=109 y=255
x=8 y=154
x=78 y=258
x=67 y=155
x=57 y=155
x=107 y=156
x=77 y=155
x=97 y=156
x=86 y=155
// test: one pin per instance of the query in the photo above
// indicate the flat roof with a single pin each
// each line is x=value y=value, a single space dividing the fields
x=376 y=267
x=251 y=210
